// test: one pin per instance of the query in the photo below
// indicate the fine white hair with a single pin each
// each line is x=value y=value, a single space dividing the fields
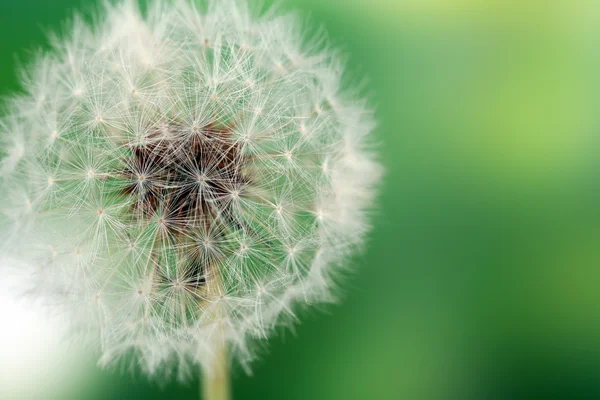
x=183 y=176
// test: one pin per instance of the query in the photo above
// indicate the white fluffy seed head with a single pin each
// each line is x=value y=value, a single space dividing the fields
x=184 y=177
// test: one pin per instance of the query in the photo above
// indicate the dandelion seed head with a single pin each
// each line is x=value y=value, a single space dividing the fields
x=213 y=174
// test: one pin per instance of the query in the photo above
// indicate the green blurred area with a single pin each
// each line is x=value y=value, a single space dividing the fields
x=480 y=280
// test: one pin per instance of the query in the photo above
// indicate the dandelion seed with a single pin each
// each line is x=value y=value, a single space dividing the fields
x=212 y=175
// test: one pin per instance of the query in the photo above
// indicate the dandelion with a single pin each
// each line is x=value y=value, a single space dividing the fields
x=181 y=181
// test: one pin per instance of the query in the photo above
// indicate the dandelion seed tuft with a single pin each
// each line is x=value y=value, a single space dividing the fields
x=206 y=172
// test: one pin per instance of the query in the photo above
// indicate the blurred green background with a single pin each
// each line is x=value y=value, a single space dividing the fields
x=481 y=278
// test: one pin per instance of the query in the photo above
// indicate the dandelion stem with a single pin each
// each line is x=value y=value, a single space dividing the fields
x=216 y=380
x=215 y=384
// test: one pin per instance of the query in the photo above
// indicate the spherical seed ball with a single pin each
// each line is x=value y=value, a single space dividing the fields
x=184 y=178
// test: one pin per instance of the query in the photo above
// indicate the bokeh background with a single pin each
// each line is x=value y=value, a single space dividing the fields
x=481 y=279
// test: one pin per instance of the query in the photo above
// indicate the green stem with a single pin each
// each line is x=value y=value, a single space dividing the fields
x=216 y=384
x=216 y=380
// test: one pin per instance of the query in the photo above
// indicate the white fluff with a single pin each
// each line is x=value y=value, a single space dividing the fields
x=161 y=251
